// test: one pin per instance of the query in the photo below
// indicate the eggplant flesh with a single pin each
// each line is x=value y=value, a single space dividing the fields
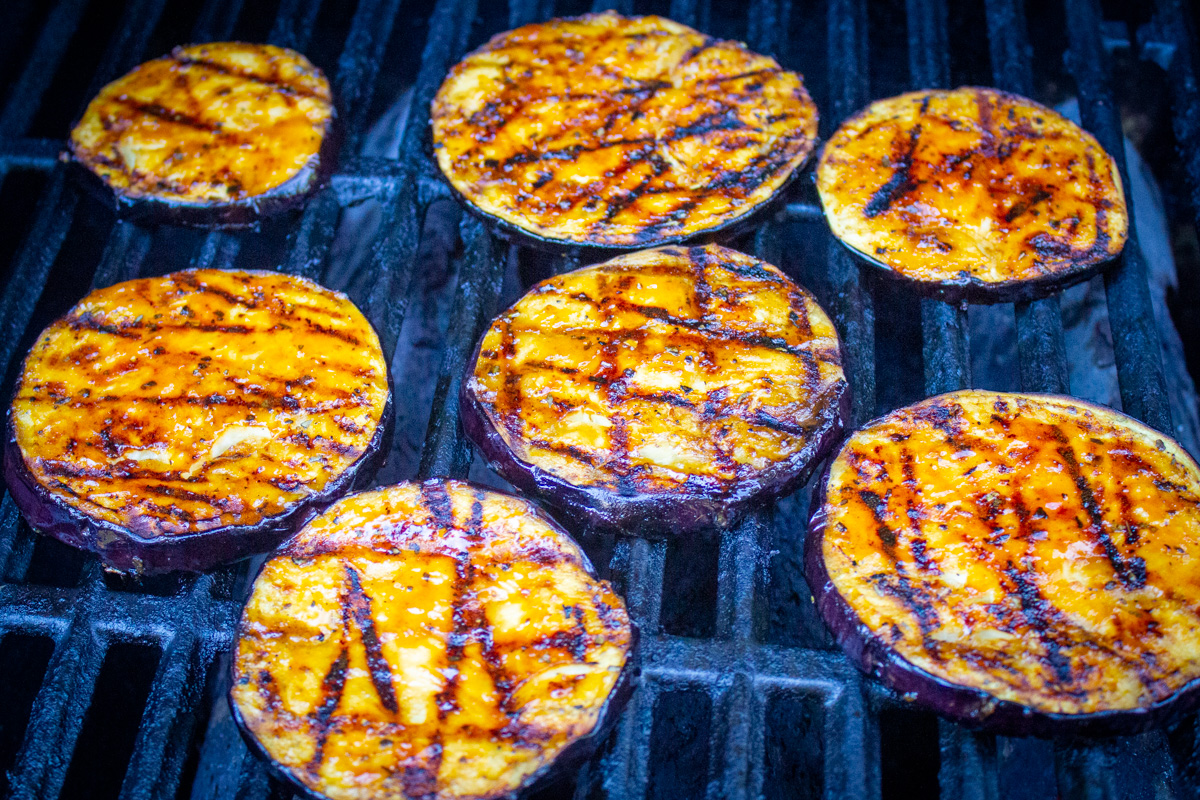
x=184 y=421
x=663 y=390
x=621 y=132
x=973 y=194
x=428 y=640
x=1019 y=562
x=217 y=135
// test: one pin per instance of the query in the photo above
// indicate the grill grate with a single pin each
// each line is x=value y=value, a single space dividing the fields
x=741 y=713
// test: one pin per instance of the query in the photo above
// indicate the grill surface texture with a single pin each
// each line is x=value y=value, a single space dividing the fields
x=117 y=687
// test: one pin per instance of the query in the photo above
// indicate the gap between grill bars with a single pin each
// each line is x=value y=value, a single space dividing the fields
x=743 y=686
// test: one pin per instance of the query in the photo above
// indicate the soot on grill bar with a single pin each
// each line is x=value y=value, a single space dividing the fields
x=840 y=354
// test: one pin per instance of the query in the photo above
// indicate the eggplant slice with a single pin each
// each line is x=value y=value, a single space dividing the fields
x=619 y=131
x=220 y=134
x=973 y=194
x=184 y=421
x=429 y=640
x=663 y=390
x=1024 y=563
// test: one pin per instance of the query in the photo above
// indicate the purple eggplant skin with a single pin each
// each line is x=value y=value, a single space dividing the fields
x=248 y=213
x=658 y=515
x=122 y=550
x=572 y=757
x=971 y=707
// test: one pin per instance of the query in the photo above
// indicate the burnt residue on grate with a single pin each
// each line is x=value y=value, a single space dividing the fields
x=115 y=687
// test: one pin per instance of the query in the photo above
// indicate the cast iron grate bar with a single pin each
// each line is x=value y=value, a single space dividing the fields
x=1135 y=339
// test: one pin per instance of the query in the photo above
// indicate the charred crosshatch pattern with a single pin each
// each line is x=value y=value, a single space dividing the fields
x=619 y=131
x=973 y=193
x=454 y=643
x=671 y=369
x=1045 y=554
x=175 y=405
x=242 y=119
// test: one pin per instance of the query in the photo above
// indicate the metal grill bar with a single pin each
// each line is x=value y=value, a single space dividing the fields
x=1131 y=316
x=853 y=307
x=35 y=79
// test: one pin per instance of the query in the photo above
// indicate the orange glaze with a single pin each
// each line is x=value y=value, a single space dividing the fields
x=1039 y=548
x=426 y=640
x=662 y=370
x=210 y=123
x=973 y=184
x=201 y=399
x=619 y=131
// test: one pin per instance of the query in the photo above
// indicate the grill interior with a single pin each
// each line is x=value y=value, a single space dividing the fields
x=115 y=687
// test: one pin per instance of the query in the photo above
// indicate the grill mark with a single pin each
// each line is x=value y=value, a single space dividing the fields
x=577 y=453
x=267 y=401
x=223 y=503
x=277 y=83
x=193 y=283
x=446 y=701
x=508 y=399
x=170 y=115
x=708 y=331
x=420 y=780
x=133 y=330
x=617 y=205
x=359 y=603
x=900 y=183
x=901 y=587
x=1131 y=572
x=331 y=693
x=1039 y=612
x=441 y=510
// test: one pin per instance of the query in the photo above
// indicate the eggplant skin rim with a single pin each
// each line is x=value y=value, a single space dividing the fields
x=248 y=212
x=124 y=551
x=968 y=705
x=570 y=758
x=659 y=515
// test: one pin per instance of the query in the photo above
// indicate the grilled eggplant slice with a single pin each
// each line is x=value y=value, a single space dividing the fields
x=220 y=135
x=973 y=194
x=1025 y=563
x=184 y=421
x=429 y=640
x=619 y=132
x=663 y=390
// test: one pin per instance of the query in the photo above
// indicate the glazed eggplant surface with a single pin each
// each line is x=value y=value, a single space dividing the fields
x=428 y=640
x=183 y=421
x=619 y=131
x=663 y=390
x=220 y=133
x=1026 y=563
x=973 y=193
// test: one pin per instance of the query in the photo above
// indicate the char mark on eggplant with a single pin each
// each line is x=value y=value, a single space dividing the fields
x=428 y=640
x=163 y=408
x=210 y=125
x=619 y=132
x=973 y=193
x=1021 y=561
x=684 y=373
